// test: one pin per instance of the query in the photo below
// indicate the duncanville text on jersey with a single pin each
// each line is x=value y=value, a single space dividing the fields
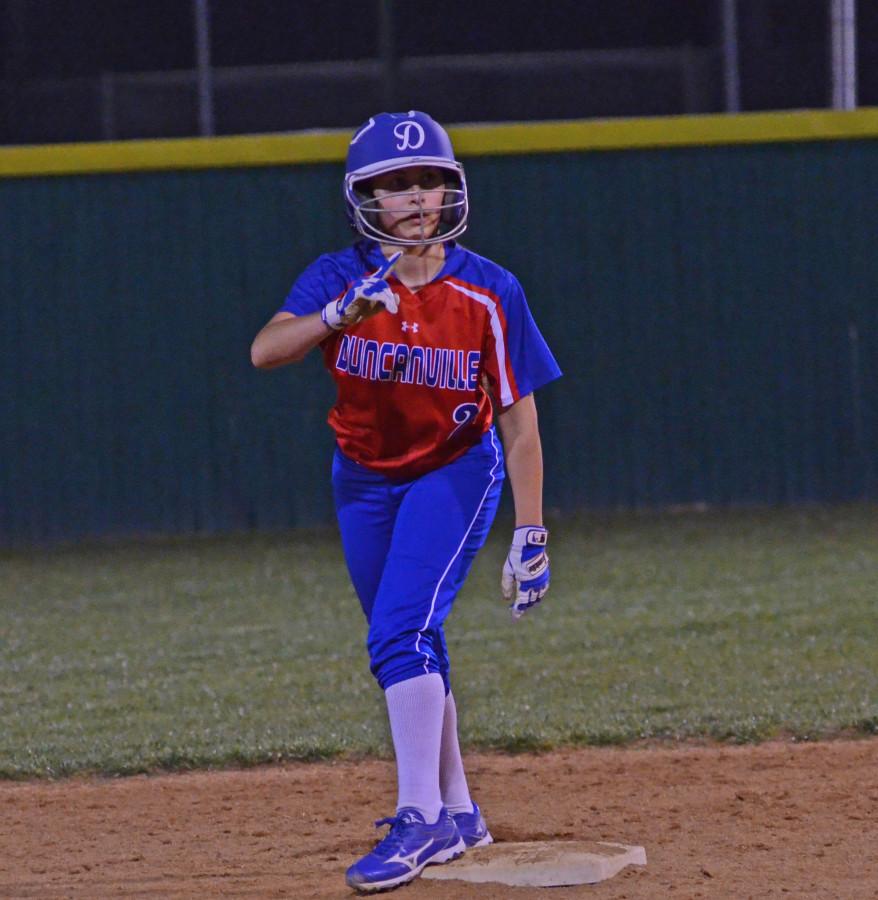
x=456 y=370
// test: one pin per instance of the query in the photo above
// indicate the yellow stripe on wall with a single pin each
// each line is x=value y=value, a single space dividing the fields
x=666 y=131
x=469 y=140
x=186 y=153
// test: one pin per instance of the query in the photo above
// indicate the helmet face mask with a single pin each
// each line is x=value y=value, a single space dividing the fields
x=394 y=141
x=438 y=222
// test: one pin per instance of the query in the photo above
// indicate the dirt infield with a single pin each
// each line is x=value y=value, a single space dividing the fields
x=773 y=820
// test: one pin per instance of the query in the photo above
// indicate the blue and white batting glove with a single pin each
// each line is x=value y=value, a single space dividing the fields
x=525 y=579
x=365 y=297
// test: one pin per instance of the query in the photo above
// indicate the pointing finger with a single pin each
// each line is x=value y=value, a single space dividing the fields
x=387 y=266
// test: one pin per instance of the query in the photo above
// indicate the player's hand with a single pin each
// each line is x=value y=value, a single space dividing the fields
x=525 y=578
x=364 y=298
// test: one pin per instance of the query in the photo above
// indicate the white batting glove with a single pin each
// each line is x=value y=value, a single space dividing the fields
x=525 y=578
x=365 y=297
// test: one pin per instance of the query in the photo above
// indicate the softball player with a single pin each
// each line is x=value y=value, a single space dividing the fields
x=426 y=341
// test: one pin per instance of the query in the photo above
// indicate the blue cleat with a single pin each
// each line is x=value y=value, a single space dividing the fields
x=472 y=828
x=409 y=846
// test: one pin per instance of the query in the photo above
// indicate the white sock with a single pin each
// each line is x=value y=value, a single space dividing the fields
x=417 y=708
x=452 y=778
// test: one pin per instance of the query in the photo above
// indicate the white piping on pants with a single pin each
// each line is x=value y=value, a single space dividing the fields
x=426 y=624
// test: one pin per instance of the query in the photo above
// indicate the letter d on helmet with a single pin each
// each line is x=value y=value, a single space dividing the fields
x=410 y=135
x=391 y=141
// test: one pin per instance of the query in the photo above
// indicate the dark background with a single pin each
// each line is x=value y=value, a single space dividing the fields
x=91 y=69
x=71 y=37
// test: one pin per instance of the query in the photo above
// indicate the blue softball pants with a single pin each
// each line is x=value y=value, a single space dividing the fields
x=409 y=547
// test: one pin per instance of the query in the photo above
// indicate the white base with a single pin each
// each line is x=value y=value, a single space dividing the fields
x=541 y=863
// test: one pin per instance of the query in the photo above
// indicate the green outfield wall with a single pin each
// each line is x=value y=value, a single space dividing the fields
x=709 y=286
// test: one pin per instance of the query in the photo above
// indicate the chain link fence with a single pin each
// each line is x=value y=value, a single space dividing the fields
x=455 y=89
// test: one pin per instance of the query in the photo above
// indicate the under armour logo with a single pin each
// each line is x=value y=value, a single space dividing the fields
x=410 y=135
x=410 y=326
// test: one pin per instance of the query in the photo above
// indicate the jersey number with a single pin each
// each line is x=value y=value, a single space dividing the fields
x=463 y=415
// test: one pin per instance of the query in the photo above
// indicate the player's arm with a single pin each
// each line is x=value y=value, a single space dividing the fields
x=525 y=578
x=287 y=339
x=520 y=431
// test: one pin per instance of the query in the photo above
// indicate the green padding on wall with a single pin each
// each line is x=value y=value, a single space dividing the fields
x=714 y=311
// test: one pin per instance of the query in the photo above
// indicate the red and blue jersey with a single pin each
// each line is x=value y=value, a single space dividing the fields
x=413 y=388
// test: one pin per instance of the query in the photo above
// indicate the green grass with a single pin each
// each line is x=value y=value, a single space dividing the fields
x=177 y=653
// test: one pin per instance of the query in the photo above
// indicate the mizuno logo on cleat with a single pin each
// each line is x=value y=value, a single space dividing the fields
x=410 y=860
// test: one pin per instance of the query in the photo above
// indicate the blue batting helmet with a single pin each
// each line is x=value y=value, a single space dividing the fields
x=391 y=141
